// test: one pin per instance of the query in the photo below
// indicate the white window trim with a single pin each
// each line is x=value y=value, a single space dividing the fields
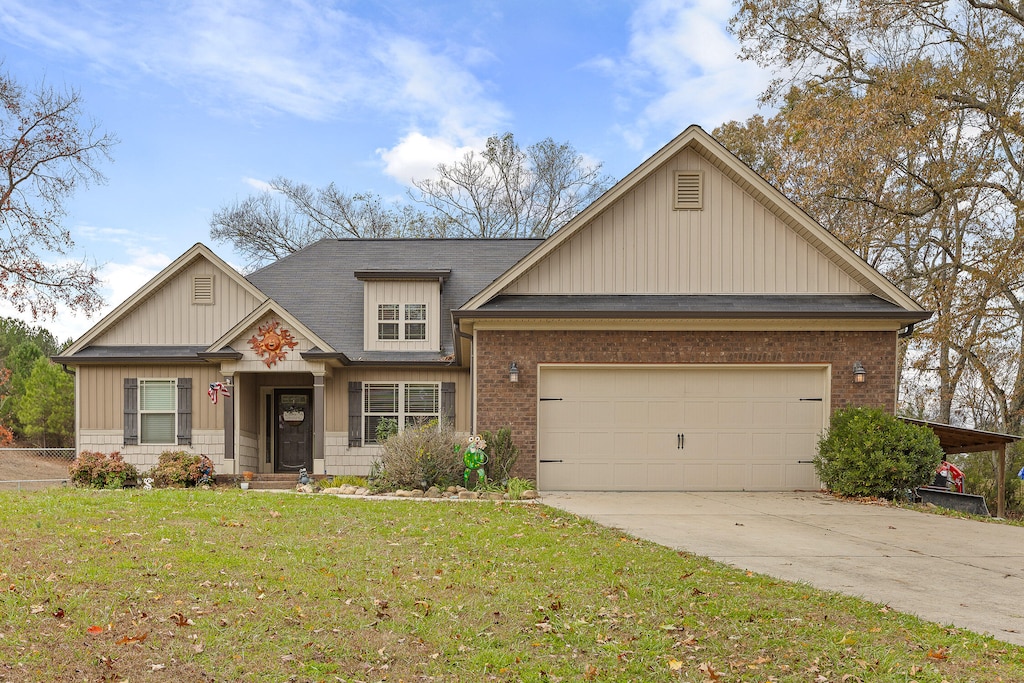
x=402 y=414
x=173 y=412
x=403 y=321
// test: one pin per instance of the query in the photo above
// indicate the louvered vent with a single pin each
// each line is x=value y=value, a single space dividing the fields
x=202 y=289
x=689 y=188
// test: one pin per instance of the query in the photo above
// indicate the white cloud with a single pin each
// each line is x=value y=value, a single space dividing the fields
x=682 y=68
x=416 y=156
x=302 y=58
x=258 y=185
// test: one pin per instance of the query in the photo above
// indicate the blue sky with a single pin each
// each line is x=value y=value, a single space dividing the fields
x=212 y=98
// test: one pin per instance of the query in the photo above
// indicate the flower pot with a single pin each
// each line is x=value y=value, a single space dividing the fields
x=245 y=485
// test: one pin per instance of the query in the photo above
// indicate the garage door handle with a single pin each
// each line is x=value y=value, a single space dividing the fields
x=543 y=460
x=804 y=462
x=680 y=441
x=550 y=399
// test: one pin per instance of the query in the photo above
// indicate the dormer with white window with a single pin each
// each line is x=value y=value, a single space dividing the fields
x=402 y=309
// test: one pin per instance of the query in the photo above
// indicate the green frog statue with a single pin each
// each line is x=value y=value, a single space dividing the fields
x=474 y=458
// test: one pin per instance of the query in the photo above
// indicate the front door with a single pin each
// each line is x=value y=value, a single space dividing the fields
x=293 y=433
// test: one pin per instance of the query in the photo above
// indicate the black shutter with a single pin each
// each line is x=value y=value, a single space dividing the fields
x=355 y=413
x=185 y=411
x=448 y=403
x=131 y=411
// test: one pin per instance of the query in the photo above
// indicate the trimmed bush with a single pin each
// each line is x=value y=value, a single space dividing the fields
x=868 y=452
x=419 y=456
x=97 y=470
x=502 y=454
x=181 y=468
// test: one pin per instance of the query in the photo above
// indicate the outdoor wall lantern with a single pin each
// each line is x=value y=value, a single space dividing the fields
x=859 y=373
x=513 y=372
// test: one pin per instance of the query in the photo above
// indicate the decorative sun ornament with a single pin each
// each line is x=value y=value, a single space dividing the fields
x=272 y=344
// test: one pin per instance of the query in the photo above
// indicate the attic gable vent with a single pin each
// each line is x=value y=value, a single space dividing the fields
x=202 y=289
x=689 y=190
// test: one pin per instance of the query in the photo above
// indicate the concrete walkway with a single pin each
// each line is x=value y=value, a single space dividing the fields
x=951 y=571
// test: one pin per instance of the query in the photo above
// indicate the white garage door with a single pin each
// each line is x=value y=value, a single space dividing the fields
x=671 y=428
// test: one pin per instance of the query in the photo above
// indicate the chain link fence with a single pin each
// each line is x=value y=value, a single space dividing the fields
x=34 y=468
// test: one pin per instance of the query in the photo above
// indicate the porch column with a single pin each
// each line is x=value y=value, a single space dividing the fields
x=1001 y=488
x=229 y=418
x=319 y=411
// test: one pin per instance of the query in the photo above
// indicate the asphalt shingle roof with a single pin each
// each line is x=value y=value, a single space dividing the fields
x=318 y=284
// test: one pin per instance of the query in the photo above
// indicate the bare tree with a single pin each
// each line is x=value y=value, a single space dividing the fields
x=47 y=150
x=289 y=216
x=507 y=191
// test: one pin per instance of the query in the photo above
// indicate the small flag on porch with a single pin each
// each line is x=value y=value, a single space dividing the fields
x=215 y=391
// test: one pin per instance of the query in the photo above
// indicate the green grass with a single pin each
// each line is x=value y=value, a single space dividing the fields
x=222 y=585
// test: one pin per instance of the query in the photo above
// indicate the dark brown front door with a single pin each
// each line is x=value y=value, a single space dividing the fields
x=293 y=438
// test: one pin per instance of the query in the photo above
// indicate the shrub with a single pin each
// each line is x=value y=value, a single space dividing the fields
x=338 y=481
x=516 y=486
x=97 y=470
x=181 y=468
x=420 y=456
x=502 y=454
x=867 y=452
x=386 y=428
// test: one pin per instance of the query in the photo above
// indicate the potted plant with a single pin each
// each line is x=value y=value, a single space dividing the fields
x=246 y=478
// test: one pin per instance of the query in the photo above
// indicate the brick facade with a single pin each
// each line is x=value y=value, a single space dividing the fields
x=501 y=403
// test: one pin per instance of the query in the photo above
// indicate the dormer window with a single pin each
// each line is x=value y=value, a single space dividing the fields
x=402 y=309
x=401 y=322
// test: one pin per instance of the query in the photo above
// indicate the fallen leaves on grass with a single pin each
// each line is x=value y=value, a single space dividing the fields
x=181 y=620
x=94 y=630
x=708 y=670
x=940 y=654
x=139 y=638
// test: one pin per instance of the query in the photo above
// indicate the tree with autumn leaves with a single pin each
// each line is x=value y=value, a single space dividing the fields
x=49 y=148
x=900 y=127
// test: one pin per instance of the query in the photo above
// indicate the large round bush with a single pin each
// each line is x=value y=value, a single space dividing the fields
x=867 y=452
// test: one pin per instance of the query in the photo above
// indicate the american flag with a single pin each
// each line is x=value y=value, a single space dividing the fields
x=215 y=390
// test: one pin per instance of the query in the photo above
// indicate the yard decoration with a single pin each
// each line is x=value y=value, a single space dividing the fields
x=474 y=458
x=270 y=342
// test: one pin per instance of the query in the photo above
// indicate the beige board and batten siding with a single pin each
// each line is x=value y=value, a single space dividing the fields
x=401 y=292
x=169 y=315
x=680 y=428
x=641 y=244
x=102 y=387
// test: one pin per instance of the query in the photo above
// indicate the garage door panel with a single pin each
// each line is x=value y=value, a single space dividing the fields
x=618 y=428
x=734 y=412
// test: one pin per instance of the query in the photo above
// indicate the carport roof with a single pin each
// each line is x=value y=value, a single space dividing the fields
x=964 y=440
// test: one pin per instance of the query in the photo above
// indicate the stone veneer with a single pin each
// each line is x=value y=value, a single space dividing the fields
x=501 y=403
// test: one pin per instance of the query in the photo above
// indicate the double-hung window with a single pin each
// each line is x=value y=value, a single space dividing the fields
x=158 y=410
x=407 y=403
x=401 y=322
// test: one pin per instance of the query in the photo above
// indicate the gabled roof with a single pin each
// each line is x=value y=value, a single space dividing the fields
x=197 y=251
x=704 y=144
x=322 y=284
x=268 y=307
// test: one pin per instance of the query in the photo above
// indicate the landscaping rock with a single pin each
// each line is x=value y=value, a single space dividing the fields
x=468 y=495
x=529 y=494
x=452 y=489
x=347 y=490
x=417 y=493
x=432 y=492
x=402 y=493
x=361 y=491
x=304 y=488
x=494 y=495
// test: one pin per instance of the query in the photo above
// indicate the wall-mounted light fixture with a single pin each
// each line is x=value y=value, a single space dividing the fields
x=513 y=372
x=859 y=373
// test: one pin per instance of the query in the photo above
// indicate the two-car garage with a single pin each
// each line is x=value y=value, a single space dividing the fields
x=681 y=428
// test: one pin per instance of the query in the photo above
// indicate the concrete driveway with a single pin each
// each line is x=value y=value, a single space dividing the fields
x=951 y=571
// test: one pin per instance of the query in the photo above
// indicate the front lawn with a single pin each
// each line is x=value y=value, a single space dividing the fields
x=193 y=585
